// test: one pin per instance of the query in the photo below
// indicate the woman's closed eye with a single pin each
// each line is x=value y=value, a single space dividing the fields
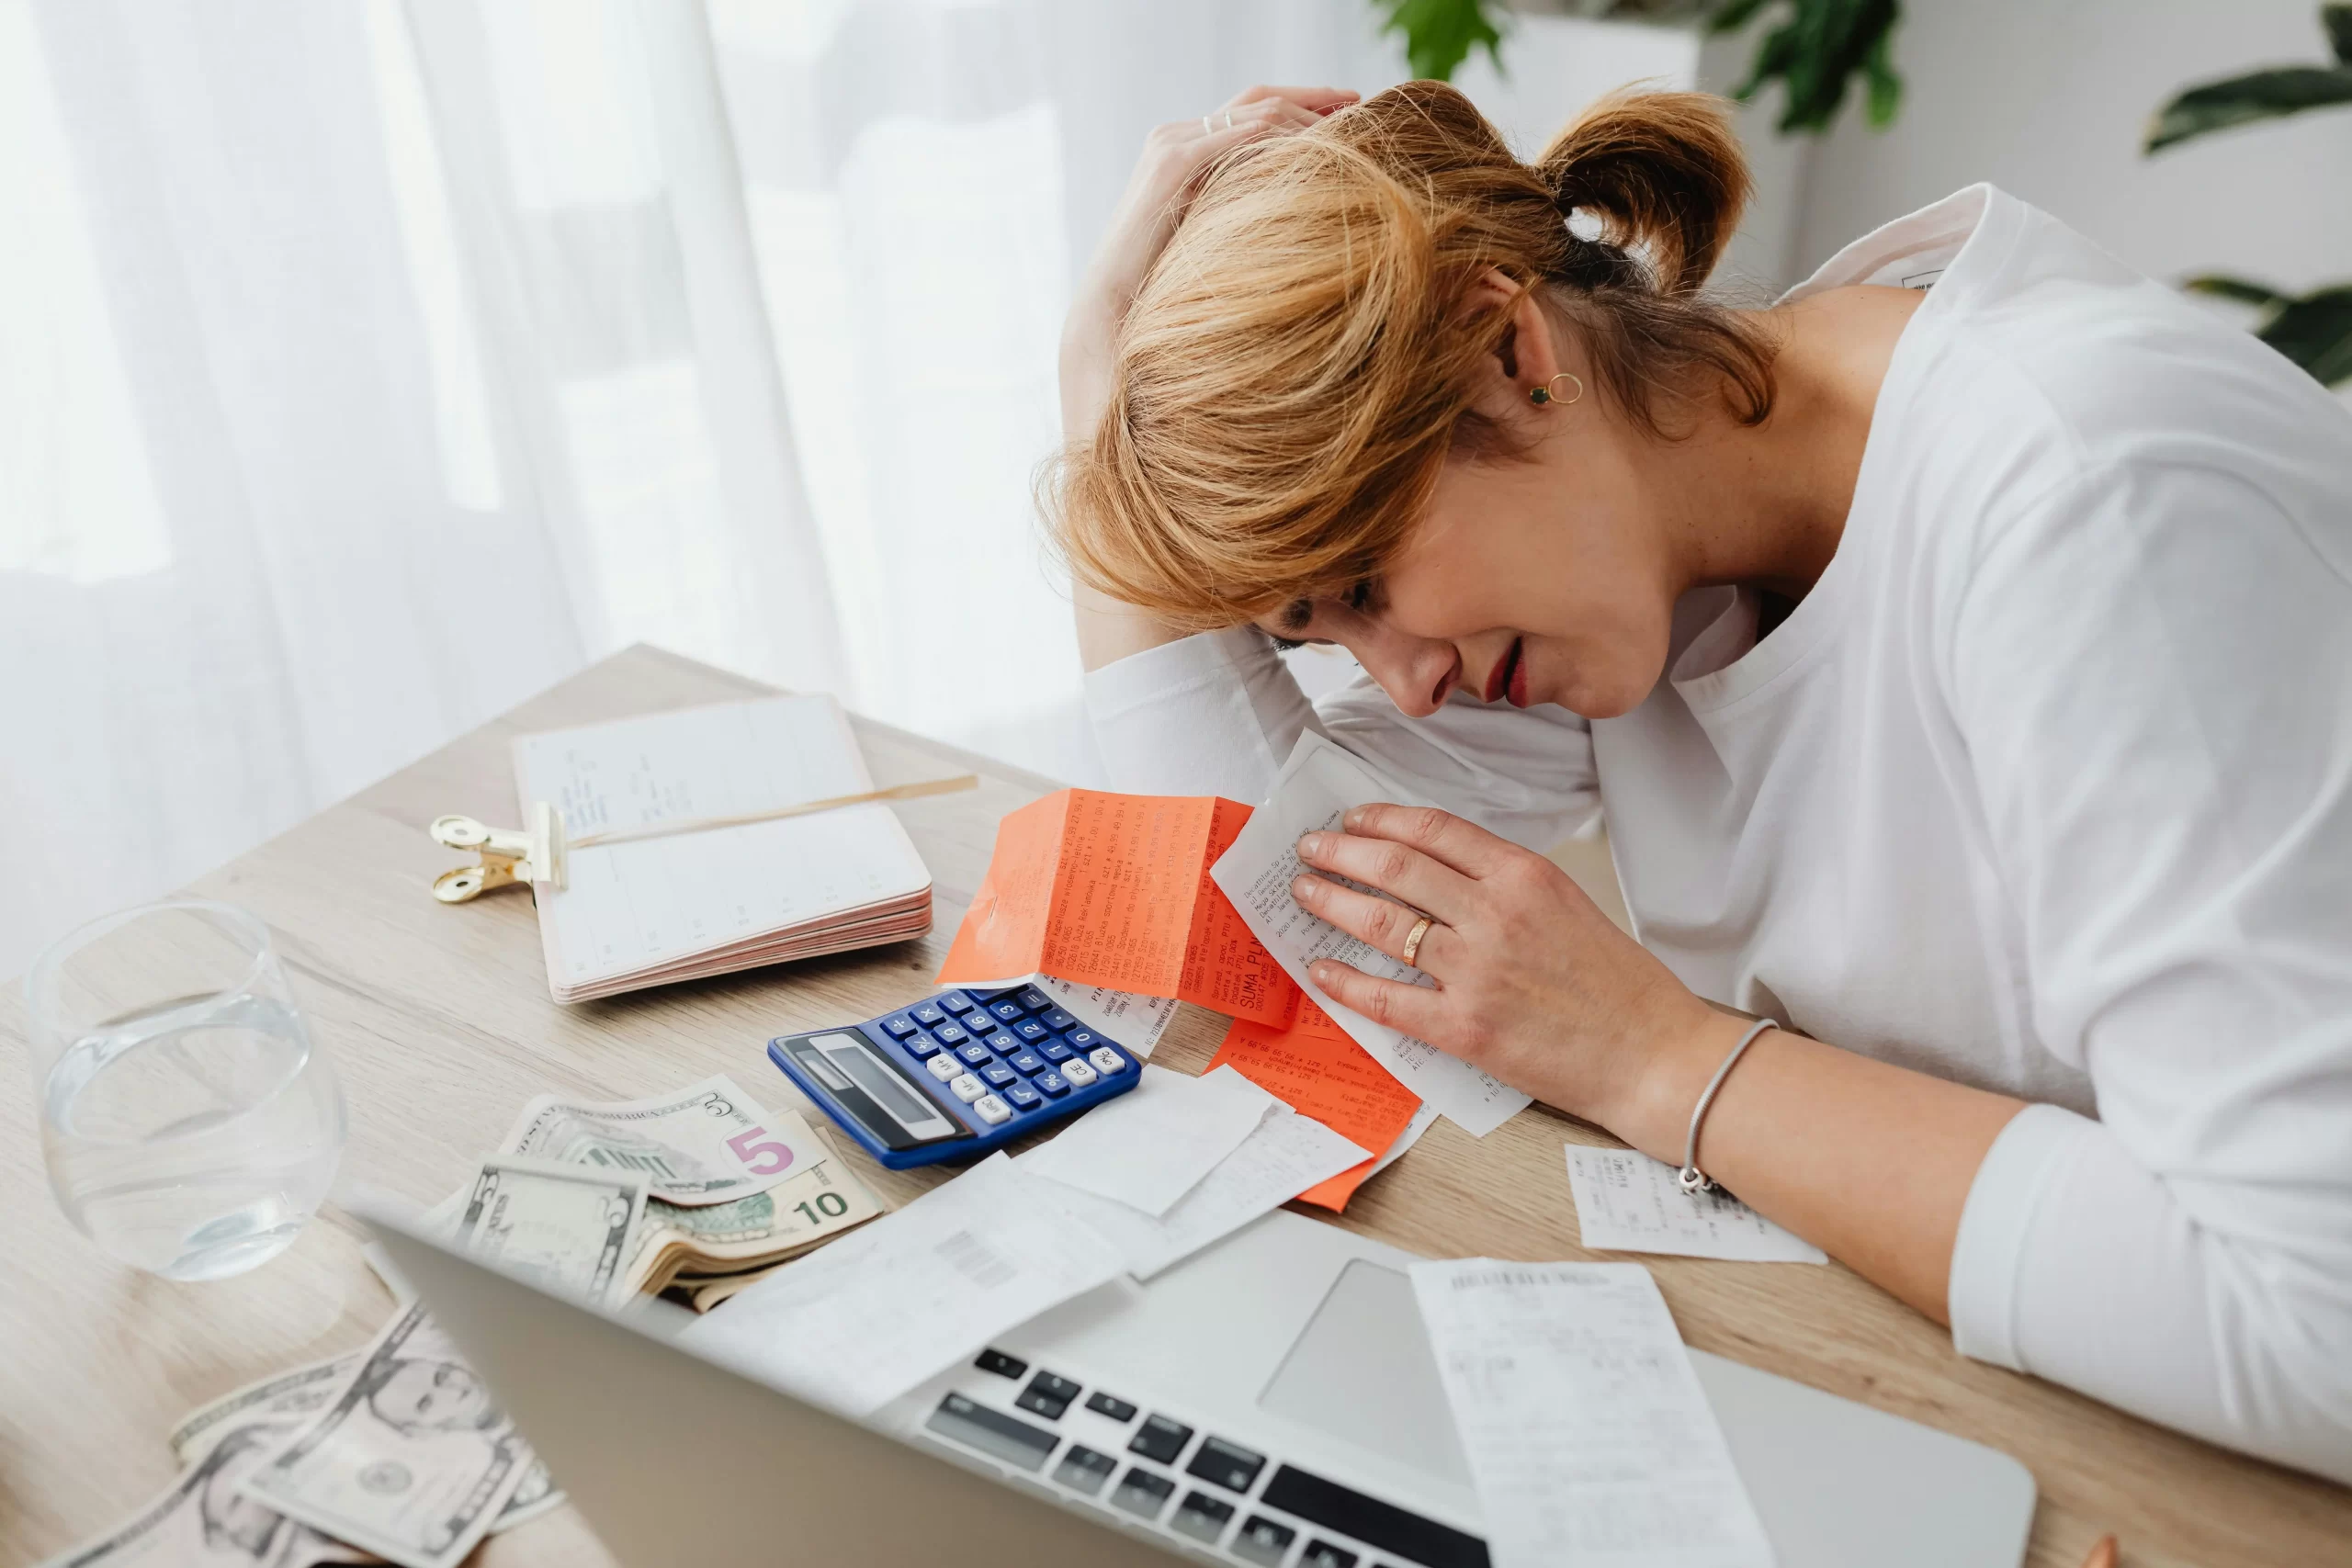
x=1290 y=625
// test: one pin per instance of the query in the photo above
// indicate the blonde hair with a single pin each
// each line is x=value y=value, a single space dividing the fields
x=1297 y=367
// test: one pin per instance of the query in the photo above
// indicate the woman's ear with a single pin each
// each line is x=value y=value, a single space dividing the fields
x=1527 y=355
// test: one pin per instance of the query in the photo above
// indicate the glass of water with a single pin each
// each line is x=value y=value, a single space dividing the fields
x=189 y=1122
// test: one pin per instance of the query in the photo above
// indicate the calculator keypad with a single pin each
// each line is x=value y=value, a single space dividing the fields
x=1015 y=1057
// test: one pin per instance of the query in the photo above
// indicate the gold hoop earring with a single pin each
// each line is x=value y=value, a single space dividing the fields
x=1550 y=392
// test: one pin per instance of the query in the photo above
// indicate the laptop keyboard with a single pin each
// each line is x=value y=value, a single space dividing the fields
x=1199 y=1492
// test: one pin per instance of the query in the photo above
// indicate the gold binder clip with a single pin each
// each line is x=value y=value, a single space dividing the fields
x=534 y=855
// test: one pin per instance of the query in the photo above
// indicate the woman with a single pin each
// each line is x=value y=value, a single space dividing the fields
x=1964 y=672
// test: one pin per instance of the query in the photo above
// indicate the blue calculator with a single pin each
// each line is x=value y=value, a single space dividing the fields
x=956 y=1075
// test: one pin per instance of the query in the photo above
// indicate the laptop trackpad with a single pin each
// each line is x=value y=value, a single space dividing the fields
x=1360 y=1371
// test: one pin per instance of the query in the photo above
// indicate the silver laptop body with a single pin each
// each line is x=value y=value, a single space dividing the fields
x=1271 y=1400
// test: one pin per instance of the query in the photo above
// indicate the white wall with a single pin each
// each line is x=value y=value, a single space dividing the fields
x=2049 y=101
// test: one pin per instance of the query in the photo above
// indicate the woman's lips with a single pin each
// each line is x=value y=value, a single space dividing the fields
x=1508 y=676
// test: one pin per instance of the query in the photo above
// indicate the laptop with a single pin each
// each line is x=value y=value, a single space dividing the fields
x=1270 y=1402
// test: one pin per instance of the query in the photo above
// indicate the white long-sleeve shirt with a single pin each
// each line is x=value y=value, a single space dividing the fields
x=2046 y=786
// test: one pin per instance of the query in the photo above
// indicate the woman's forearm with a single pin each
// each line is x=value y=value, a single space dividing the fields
x=1175 y=156
x=1109 y=631
x=1870 y=1162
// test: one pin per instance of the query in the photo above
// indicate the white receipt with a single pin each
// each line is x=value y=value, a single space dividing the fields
x=1317 y=786
x=1286 y=1155
x=1627 y=1201
x=1153 y=1143
x=1589 y=1439
x=1406 y=1139
x=857 y=1324
x=1135 y=1020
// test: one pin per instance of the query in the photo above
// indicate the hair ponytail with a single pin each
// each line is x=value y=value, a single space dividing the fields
x=1662 y=172
x=1296 y=368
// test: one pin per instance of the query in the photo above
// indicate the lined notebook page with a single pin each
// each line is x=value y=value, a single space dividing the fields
x=634 y=906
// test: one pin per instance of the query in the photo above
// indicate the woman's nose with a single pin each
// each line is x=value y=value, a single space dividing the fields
x=1416 y=672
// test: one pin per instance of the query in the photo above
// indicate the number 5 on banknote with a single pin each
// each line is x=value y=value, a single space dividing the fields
x=753 y=1144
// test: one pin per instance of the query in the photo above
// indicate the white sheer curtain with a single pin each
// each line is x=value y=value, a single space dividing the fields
x=365 y=365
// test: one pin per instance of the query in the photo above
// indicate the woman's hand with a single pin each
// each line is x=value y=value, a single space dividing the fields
x=1175 y=156
x=1534 y=984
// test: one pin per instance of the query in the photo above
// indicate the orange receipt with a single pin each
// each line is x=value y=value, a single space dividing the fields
x=1103 y=889
x=1314 y=1066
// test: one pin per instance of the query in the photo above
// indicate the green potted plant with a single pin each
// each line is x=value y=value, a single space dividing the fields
x=1816 y=48
x=2315 y=330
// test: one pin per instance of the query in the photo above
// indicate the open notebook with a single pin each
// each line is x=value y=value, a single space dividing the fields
x=656 y=910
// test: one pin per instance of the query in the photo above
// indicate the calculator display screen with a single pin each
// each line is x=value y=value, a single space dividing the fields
x=883 y=1085
x=867 y=1089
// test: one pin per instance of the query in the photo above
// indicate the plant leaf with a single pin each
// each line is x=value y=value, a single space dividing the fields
x=1815 y=49
x=2239 y=100
x=1886 y=86
x=2315 y=332
x=2337 y=20
x=1440 y=34
x=2243 y=290
x=1733 y=15
x=1773 y=57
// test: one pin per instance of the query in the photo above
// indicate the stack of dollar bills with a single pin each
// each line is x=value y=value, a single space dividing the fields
x=732 y=1192
x=395 y=1451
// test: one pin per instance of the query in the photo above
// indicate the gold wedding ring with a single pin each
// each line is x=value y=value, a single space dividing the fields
x=1412 y=953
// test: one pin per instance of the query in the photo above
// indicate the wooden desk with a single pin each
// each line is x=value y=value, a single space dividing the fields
x=439 y=1021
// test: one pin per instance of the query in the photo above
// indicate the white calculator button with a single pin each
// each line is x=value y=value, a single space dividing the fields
x=1078 y=1072
x=943 y=1067
x=967 y=1088
x=1106 y=1060
x=992 y=1110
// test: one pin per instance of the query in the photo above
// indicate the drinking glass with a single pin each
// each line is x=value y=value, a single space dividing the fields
x=189 y=1122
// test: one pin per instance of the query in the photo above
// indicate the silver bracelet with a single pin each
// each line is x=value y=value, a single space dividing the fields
x=1694 y=1180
